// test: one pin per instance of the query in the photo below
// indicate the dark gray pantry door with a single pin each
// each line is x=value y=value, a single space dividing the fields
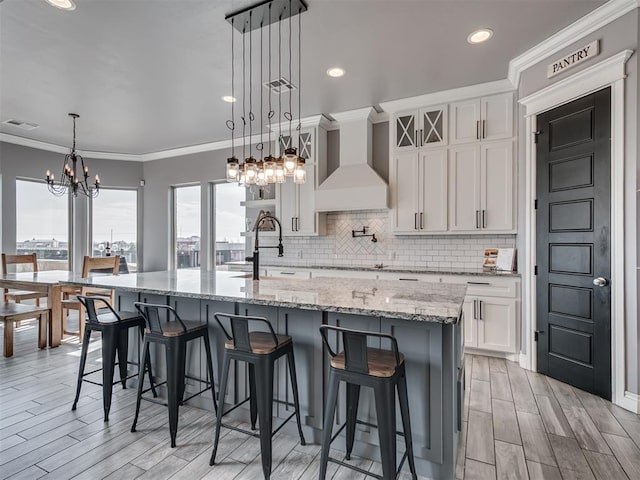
x=573 y=243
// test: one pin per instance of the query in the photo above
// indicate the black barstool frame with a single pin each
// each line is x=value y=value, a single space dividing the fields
x=115 y=339
x=175 y=358
x=356 y=374
x=261 y=375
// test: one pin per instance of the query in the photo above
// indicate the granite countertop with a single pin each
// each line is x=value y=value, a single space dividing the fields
x=423 y=301
x=437 y=271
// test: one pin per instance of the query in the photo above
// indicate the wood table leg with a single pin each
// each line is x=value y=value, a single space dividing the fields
x=55 y=319
x=8 y=338
x=43 y=320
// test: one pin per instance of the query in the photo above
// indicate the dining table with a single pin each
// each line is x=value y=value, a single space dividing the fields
x=50 y=283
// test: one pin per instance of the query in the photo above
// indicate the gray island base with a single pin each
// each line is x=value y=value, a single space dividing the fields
x=426 y=318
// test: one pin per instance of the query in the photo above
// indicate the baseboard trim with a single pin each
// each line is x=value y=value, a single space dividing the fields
x=512 y=357
x=631 y=402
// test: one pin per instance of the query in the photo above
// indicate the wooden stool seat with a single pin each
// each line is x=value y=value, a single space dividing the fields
x=174 y=329
x=262 y=342
x=382 y=363
x=11 y=312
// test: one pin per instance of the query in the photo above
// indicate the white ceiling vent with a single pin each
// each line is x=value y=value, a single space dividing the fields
x=279 y=86
x=20 y=124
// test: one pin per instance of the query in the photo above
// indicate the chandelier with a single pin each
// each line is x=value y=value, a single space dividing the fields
x=73 y=180
x=265 y=169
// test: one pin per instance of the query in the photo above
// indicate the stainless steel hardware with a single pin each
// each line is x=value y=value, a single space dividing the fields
x=297 y=224
x=475 y=309
x=484 y=219
x=287 y=273
x=415 y=221
x=483 y=129
x=409 y=279
x=480 y=302
x=477 y=129
x=600 y=282
x=415 y=138
x=293 y=229
x=421 y=220
x=421 y=138
x=477 y=218
x=478 y=283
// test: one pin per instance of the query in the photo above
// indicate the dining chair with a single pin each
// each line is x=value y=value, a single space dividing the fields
x=107 y=265
x=20 y=295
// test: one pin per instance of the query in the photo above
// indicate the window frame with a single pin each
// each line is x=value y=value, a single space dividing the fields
x=173 y=243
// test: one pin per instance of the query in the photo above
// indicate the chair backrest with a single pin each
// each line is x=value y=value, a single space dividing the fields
x=355 y=346
x=240 y=329
x=89 y=304
x=151 y=314
x=29 y=258
x=101 y=265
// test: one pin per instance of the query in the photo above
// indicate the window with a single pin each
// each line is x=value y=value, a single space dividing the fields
x=187 y=226
x=229 y=222
x=42 y=225
x=114 y=225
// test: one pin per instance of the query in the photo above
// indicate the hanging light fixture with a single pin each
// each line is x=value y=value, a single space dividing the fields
x=267 y=169
x=73 y=180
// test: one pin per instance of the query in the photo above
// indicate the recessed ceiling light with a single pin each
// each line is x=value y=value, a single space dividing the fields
x=480 y=36
x=228 y=98
x=336 y=72
x=62 y=4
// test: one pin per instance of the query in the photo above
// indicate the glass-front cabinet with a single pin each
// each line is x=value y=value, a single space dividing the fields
x=426 y=127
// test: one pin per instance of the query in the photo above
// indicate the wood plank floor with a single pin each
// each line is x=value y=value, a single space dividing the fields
x=517 y=424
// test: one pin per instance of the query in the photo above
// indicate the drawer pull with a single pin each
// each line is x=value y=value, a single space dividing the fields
x=409 y=279
x=287 y=273
x=478 y=283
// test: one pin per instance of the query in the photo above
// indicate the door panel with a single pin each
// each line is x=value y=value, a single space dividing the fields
x=464 y=186
x=573 y=243
x=433 y=202
x=496 y=327
x=465 y=122
x=497 y=186
x=287 y=202
x=307 y=217
x=405 y=201
x=497 y=117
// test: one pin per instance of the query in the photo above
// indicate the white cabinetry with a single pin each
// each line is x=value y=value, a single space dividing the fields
x=296 y=202
x=420 y=192
x=481 y=193
x=486 y=118
x=425 y=127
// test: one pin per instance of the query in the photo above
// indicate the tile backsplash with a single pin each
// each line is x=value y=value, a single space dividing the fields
x=339 y=248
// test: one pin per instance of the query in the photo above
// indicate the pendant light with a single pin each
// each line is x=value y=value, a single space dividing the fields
x=267 y=169
x=73 y=180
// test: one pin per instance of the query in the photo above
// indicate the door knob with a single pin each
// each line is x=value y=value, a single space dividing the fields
x=600 y=282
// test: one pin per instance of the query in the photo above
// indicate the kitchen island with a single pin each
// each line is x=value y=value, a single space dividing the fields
x=424 y=317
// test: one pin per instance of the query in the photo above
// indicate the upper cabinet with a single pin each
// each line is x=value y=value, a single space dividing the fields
x=295 y=204
x=426 y=127
x=452 y=168
x=486 y=118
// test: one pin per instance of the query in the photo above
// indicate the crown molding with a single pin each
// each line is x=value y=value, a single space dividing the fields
x=447 y=96
x=582 y=27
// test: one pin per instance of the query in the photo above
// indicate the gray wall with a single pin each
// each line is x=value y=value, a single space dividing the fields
x=29 y=163
x=617 y=36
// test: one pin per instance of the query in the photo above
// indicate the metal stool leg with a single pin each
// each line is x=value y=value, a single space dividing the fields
x=264 y=374
x=141 y=368
x=123 y=351
x=386 y=415
x=83 y=360
x=329 y=413
x=109 y=346
x=294 y=387
x=207 y=348
x=175 y=386
x=353 y=397
x=406 y=422
x=223 y=392
x=253 y=397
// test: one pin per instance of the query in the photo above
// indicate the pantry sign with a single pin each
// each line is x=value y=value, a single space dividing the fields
x=569 y=61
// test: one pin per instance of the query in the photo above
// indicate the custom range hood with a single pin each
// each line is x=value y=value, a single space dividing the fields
x=354 y=185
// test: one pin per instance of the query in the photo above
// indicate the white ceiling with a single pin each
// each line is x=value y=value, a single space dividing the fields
x=147 y=75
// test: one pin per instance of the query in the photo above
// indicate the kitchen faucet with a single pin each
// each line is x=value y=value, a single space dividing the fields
x=255 y=259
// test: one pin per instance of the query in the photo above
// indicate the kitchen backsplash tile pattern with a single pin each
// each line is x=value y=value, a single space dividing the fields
x=339 y=248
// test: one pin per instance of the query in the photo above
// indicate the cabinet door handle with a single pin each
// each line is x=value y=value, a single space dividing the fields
x=292 y=227
x=475 y=310
x=477 y=129
x=421 y=138
x=478 y=283
x=477 y=218
x=415 y=221
x=415 y=139
x=480 y=309
x=297 y=224
x=421 y=219
x=483 y=129
x=409 y=279
x=484 y=219
x=287 y=273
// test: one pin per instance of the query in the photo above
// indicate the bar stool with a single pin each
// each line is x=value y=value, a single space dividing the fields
x=174 y=335
x=259 y=350
x=382 y=370
x=114 y=328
